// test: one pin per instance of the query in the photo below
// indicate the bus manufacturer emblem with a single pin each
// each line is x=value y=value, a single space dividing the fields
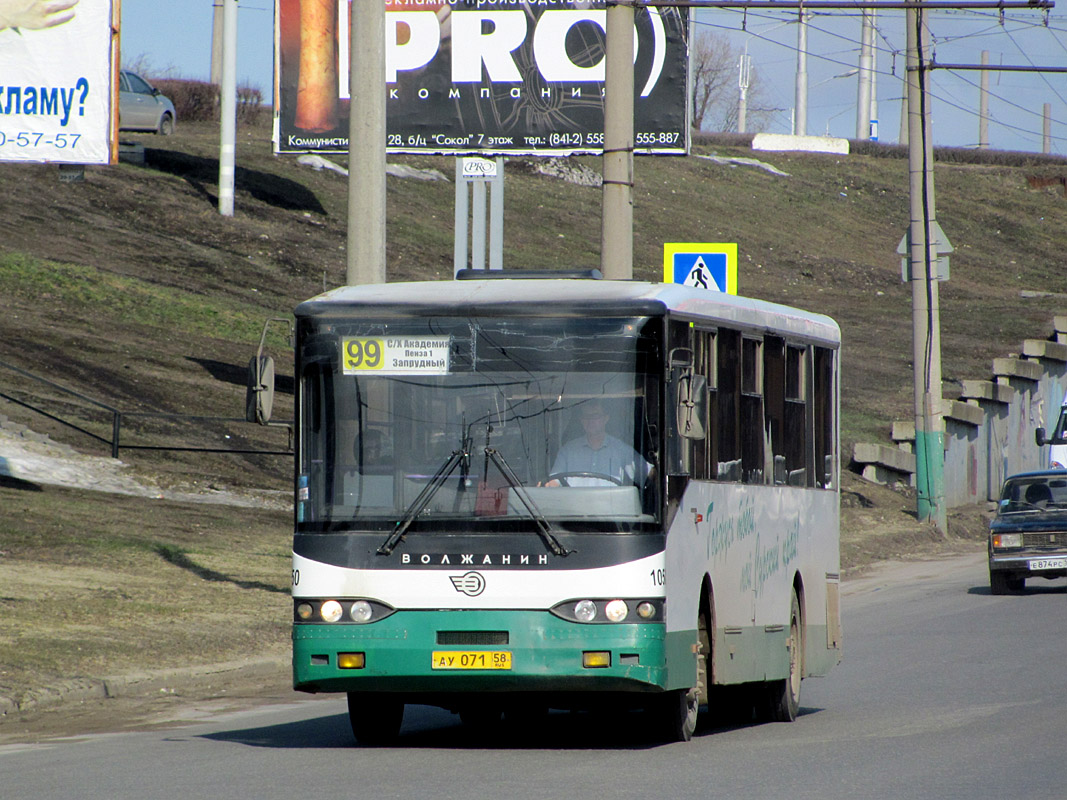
x=472 y=584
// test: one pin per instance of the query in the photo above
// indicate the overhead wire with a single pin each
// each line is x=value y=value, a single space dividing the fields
x=893 y=53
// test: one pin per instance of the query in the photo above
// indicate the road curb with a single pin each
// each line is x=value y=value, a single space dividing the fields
x=223 y=679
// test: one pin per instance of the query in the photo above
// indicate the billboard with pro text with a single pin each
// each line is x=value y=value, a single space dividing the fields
x=482 y=76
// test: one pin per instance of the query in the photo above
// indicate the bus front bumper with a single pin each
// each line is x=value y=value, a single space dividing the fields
x=433 y=652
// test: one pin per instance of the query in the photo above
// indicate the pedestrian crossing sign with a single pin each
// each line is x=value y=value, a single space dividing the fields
x=701 y=264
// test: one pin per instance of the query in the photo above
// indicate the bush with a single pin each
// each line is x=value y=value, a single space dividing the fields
x=198 y=101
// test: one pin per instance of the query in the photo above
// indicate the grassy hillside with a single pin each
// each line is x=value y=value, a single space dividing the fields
x=131 y=288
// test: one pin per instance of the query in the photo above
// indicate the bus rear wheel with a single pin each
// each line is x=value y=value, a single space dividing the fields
x=375 y=718
x=781 y=700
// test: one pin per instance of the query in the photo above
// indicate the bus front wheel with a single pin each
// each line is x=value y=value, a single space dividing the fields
x=679 y=710
x=375 y=719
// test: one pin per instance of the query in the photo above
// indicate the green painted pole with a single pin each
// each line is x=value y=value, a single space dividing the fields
x=926 y=320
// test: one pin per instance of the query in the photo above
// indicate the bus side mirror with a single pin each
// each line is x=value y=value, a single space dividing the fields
x=692 y=405
x=259 y=398
x=1039 y=437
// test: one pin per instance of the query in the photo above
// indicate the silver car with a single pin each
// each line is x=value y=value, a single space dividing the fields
x=142 y=107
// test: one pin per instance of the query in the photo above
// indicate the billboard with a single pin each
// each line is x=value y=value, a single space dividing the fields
x=489 y=77
x=57 y=60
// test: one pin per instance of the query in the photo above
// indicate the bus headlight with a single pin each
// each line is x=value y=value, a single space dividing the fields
x=361 y=611
x=616 y=610
x=331 y=611
x=585 y=611
x=608 y=612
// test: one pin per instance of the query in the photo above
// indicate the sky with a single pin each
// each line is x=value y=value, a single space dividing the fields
x=174 y=39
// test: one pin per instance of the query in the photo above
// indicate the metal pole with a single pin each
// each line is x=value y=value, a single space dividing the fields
x=903 y=138
x=617 y=214
x=863 y=82
x=366 y=145
x=459 y=246
x=1046 y=128
x=926 y=341
x=228 y=108
x=983 y=105
x=478 y=224
x=800 y=101
x=496 y=217
x=744 y=66
x=872 y=118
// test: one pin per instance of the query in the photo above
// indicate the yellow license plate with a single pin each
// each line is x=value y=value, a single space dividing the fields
x=471 y=659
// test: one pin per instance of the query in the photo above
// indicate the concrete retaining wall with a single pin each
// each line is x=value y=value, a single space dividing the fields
x=989 y=430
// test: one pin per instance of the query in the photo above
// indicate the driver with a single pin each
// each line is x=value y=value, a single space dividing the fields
x=598 y=453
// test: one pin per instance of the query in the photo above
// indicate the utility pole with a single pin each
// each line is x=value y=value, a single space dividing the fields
x=800 y=101
x=216 y=43
x=983 y=104
x=228 y=108
x=863 y=83
x=1046 y=129
x=743 y=75
x=872 y=118
x=366 y=145
x=903 y=137
x=926 y=321
x=617 y=211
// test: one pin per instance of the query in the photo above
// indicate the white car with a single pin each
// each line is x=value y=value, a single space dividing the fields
x=142 y=107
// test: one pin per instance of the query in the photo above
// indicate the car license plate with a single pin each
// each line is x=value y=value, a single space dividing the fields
x=471 y=659
x=1037 y=564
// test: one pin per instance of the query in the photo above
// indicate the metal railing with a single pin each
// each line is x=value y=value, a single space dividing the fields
x=117 y=417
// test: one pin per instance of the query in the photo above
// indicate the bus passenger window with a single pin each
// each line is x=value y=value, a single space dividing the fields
x=753 y=468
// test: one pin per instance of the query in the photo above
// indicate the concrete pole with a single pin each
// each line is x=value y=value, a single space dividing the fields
x=872 y=131
x=216 y=44
x=801 y=97
x=926 y=324
x=863 y=82
x=903 y=138
x=366 y=146
x=617 y=213
x=228 y=108
x=1046 y=128
x=744 y=71
x=983 y=104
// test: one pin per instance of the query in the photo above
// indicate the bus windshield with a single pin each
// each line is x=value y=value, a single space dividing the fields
x=441 y=424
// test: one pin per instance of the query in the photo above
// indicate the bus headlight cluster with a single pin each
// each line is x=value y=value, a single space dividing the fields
x=359 y=612
x=609 y=611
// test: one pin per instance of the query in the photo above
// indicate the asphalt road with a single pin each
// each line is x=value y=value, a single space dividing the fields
x=945 y=692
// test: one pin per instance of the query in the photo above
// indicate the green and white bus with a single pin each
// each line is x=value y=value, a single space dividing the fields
x=443 y=556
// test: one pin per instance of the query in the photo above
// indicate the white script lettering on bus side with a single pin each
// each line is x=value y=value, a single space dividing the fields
x=769 y=561
x=729 y=529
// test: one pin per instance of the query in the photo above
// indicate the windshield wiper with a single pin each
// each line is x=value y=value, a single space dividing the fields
x=544 y=530
x=462 y=456
x=418 y=505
